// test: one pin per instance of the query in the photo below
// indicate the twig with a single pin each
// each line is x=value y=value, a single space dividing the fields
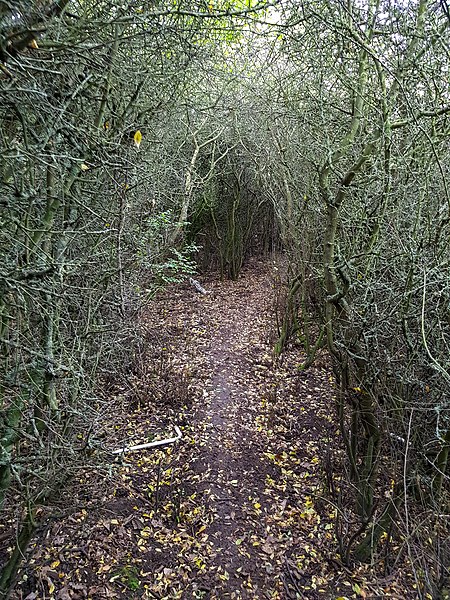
x=292 y=578
x=157 y=444
x=197 y=286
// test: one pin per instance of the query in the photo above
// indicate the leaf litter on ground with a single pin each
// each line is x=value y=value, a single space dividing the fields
x=238 y=508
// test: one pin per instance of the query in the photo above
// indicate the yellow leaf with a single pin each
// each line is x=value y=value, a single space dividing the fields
x=137 y=138
x=33 y=44
x=84 y=167
x=356 y=588
x=55 y=564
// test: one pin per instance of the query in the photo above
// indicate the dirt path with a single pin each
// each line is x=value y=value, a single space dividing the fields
x=234 y=510
x=251 y=480
x=233 y=461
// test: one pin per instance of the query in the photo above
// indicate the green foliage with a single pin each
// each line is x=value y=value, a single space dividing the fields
x=129 y=577
x=176 y=267
x=166 y=264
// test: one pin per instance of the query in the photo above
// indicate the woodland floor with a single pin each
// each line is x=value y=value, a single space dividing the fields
x=238 y=508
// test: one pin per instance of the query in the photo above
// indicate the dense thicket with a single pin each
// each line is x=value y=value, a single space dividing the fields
x=80 y=227
x=371 y=254
x=321 y=128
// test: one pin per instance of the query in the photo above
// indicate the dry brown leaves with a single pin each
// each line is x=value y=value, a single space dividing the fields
x=239 y=507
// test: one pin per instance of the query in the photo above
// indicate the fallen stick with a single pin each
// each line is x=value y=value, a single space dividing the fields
x=197 y=286
x=157 y=444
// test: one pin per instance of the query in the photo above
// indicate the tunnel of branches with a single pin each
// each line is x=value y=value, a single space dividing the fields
x=144 y=145
x=232 y=221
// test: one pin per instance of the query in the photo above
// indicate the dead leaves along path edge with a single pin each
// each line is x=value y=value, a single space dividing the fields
x=237 y=509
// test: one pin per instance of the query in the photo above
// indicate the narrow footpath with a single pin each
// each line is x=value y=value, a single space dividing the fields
x=238 y=507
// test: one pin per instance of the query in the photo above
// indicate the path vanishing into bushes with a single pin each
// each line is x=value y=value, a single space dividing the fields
x=237 y=508
x=239 y=513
